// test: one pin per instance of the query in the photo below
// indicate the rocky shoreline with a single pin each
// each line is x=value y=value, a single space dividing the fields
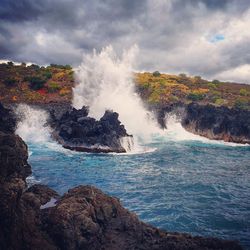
x=82 y=218
x=216 y=123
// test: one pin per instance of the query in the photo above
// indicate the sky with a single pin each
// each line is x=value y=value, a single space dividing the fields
x=210 y=38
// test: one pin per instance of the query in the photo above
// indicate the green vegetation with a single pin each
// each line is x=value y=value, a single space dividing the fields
x=244 y=92
x=242 y=104
x=195 y=96
x=156 y=73
x=216 y=81
x=53 y=83
x=211 y=85
x=166 y=88
x=53 y=87
x=35 y=84
x=58 y=66
x=10 y=82
x=219 y=102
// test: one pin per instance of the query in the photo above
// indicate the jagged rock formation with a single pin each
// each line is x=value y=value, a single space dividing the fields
x=7 y=120
x=77 y=131
x=218 y=123
x=83 y=218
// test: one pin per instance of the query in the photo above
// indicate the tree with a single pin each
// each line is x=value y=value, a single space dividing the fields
x=10 y=63
x=36 y=83
x=215 y=81
x=156 y=73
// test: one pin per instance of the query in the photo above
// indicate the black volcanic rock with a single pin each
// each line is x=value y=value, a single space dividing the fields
x=14 y=155
x=219 y=123
x=76 y=130
x=86 y=218
x=7 y=120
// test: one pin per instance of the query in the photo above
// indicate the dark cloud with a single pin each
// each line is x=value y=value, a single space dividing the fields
x=173 y=35
x=18 y=11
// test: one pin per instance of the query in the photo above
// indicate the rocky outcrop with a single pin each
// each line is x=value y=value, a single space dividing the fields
x=218 y=123
x=77 y=131
x=7 y=120
x=86 y=218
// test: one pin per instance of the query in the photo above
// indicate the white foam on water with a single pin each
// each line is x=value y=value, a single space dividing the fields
x=32 y=125
x=176 y=132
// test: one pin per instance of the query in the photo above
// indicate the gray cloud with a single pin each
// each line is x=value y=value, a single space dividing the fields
x=173 y=35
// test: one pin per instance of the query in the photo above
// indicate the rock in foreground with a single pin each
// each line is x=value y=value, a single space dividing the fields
x=77 y=131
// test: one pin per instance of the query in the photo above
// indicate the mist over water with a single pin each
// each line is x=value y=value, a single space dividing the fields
x=105 y=81
x=32 y=125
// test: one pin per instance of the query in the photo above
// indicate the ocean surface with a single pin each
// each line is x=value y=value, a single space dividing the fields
x=192 y=185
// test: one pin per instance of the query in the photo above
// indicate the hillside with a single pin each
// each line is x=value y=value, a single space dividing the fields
x=35 y=84
x=162 y=89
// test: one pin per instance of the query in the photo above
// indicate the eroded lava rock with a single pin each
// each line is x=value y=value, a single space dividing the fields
x=7 y=120
x=218 y=123
x=77 y=131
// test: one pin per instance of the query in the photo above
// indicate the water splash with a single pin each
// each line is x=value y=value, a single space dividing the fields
x=176 y=132
x=106 y=82
x=32 y=125
x=127 y=143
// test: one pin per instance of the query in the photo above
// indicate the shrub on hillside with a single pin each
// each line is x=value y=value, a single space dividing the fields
x=211 y=85
x=10 y=82
x=34 y=67
x=242 y=104
x=156 y=73
x=195 y=96
x=58 y=66
x=10 y=63
x=244 y=92
x=219 y=101
x=182 y=75
x=47 y=75
x=197 y=79
x=64 y=91
x=53 y=87
x=215 y=81
x=36 y=82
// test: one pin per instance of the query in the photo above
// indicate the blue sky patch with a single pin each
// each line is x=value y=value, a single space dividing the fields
x=217 y=38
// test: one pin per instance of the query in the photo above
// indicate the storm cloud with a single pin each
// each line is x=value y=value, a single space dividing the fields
x=198 y=37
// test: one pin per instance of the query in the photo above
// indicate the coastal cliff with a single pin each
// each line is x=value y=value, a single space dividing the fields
x=218 y=123
x=215 y=123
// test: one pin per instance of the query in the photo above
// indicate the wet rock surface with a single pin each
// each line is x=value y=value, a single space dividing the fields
x=77 y=131
x=218 y=123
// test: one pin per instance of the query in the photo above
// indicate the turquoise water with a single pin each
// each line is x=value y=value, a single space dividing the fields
x=186 y=186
